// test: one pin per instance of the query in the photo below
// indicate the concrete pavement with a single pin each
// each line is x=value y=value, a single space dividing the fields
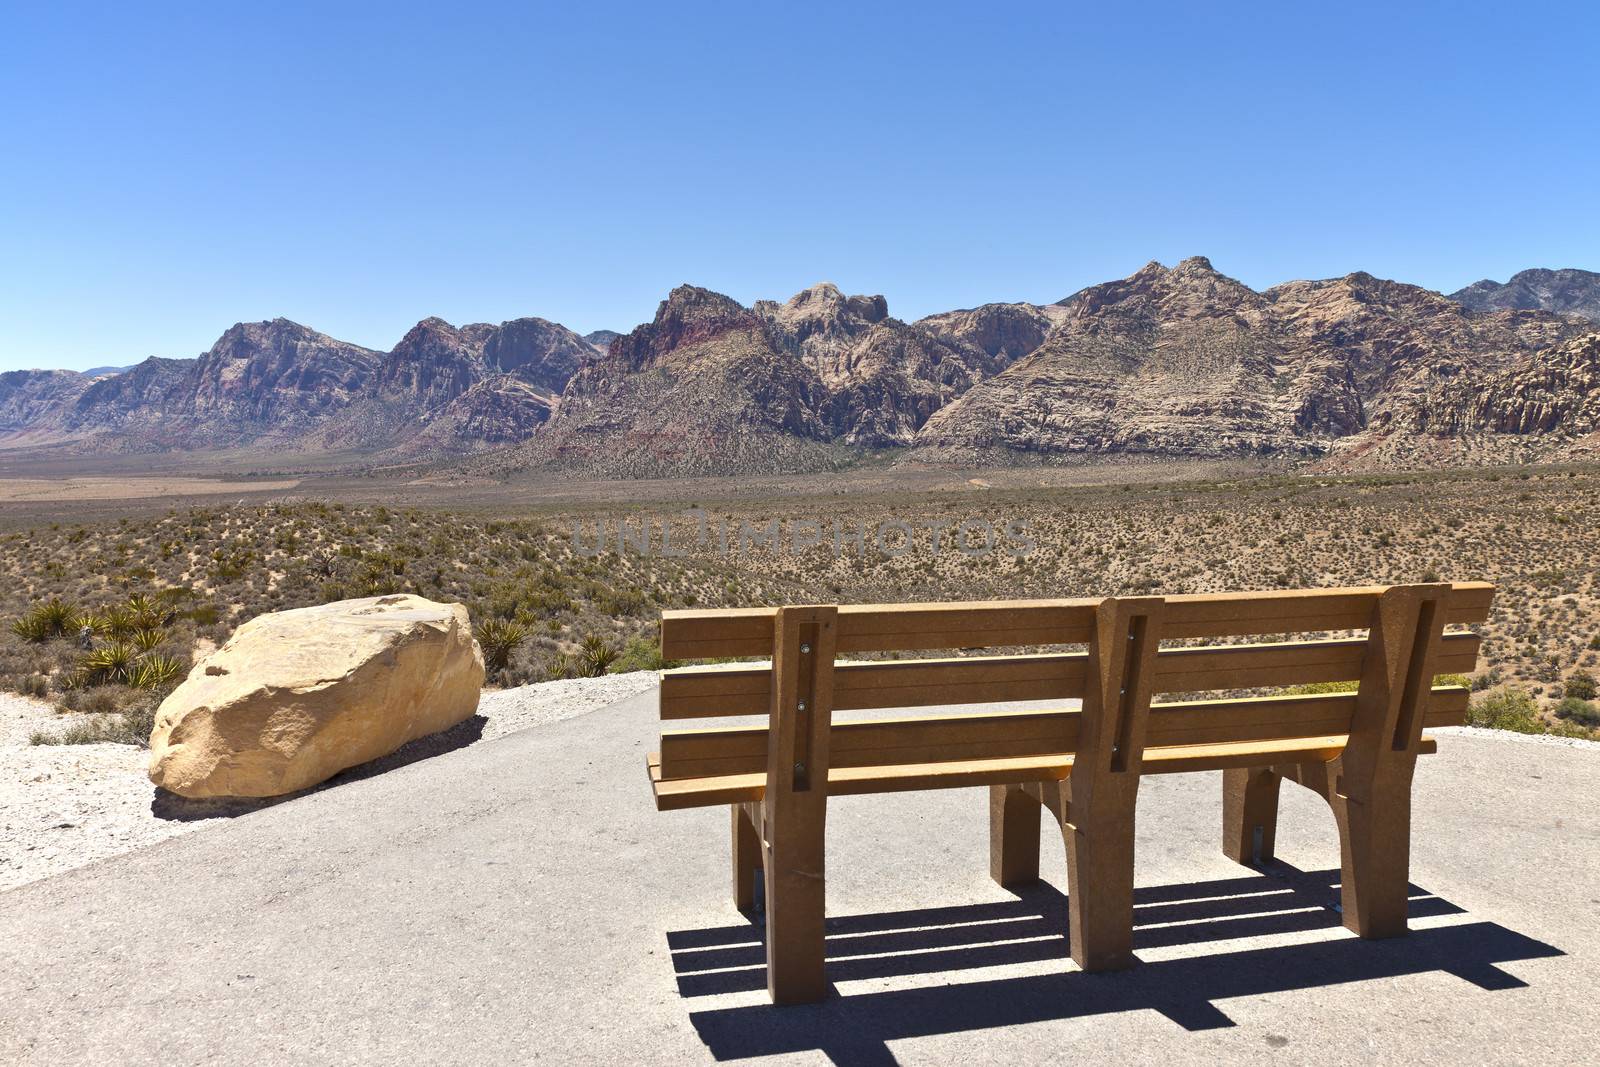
x=520 y=901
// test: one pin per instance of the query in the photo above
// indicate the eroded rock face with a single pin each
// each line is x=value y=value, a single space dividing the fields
x=294 y=697
x=1185 y=361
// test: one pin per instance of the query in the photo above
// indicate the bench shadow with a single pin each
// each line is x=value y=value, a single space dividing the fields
x=170 y=806
x=1279 y=899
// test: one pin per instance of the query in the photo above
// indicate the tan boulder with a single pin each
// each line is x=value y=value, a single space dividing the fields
x=294 y=697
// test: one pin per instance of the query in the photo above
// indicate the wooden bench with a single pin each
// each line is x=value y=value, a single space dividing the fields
x=1357 y=750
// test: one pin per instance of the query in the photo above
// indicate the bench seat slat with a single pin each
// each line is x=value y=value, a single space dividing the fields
x=844 y=781
x=721 y=751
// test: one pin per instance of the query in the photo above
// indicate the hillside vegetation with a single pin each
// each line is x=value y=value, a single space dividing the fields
x=156 y=592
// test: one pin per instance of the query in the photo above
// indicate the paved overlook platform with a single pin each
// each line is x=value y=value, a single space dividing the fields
x=521 y=900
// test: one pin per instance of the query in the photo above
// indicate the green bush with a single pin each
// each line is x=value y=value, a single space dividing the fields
x=1506 y=709
x=1580 y=684
x=641 y=654
x=1579 y=711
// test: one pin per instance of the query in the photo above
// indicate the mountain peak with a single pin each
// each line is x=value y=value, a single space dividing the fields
x=688 y=316
x=821 y=292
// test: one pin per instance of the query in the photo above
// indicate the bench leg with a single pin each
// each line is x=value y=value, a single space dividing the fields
x=795 y=890
x=1100 y=888
x=746 y=856
x=1014 y=817
x=1249 y=814
x=1375 y=855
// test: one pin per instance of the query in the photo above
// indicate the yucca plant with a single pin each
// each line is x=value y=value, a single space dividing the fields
x=145 y=613
x=596 y=655
x=47 y=619
x=560 y=667
x=111 y=664
x=155 y=672
x=118 y=622
x=31 y=627
x=499 y=639
x=148 y=640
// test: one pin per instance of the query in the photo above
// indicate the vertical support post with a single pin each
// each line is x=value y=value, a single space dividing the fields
x=1370 y=783
x=1249 y=814
x=1014 y=818
x=746 y=855
x=1104 y=785
x=795 y=806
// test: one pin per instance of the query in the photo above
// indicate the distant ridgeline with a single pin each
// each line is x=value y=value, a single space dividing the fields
x=1350 y=373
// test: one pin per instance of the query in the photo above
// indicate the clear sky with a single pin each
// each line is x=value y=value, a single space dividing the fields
x=169 y=169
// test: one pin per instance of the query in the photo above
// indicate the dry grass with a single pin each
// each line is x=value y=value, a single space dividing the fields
x=1535 y=533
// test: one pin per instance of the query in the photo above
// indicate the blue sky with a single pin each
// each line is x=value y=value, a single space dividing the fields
x=171 y=169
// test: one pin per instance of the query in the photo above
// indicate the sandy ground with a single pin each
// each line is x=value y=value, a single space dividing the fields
x=64 y=806
x=13 y=490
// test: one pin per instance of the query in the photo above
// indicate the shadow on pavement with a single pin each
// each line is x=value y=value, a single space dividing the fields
x=1032 y=929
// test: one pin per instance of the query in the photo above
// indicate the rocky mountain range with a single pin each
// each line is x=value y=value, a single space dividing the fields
x=279 y=386
x=1566 y=292
x=1170 y=361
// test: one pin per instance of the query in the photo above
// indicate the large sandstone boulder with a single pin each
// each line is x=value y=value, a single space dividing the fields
x=294 y=697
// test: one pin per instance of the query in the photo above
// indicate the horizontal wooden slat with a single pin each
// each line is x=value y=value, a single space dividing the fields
x=738 y=632
x=845 y=781
x=744 y=689
x=725 y=751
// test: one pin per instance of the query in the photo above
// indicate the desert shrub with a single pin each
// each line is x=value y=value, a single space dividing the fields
x=596 y=655
x=641 y=654
x=622 y=603
x=1584 y=712
x=1581 y=685
x=131 y=726
x=499 y=639
x=205 y=614
x=1506 y=709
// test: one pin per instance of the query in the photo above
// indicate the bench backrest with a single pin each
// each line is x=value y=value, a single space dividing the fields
x=1123 y=667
